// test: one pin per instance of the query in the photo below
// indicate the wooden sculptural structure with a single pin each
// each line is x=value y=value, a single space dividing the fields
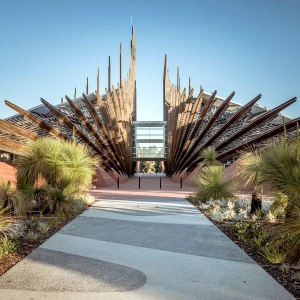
x=104 y=123
x=194 y=123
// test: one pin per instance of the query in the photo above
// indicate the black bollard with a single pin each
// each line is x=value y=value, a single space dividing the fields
x=118 y=182
x=181 y=182
x=160 y=182
x=139 y=182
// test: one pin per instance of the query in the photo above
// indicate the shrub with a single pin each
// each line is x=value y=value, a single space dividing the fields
x=8 y=245
x=275 y=256
x=32 y=236
x=6 y=219
x=277 y=167
x=287 y=236
x=29 y=224
x=36 y=197
x=86 y=198
x=43 y=227
x=12 y=198
x=60 y=201
x=209 y=155
x=211 y=184
x=62 y=163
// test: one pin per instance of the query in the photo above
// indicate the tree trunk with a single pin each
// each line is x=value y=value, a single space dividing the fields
x=256 y=203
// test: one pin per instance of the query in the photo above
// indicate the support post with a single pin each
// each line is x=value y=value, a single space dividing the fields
x=181 y=182
x=109 y=75
x=120 y=64
x=190 y=87
x=118 y=182
x=87 y=86
x=75 y=94
x=98 y=82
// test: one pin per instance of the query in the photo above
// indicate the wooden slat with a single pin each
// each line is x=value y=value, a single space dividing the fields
x=86 y=122
x=61 y=117
x=13 y=145
x=222 y=108
x=17 y=130
x=38 y=121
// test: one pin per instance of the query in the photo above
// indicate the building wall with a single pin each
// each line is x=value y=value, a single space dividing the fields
x=8 y=172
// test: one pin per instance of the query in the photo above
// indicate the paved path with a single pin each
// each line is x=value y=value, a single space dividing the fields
x=154 y=247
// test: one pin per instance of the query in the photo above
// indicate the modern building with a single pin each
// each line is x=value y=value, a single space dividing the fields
x=107 y=125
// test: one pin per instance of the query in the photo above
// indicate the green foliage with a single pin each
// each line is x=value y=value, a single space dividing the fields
x=12 y=198
x=287 y=236
x=211 y=184
x=147 y=166
x=62 y=217
x=32 y=236
x=6 y=219
x=277 y=167
x=29 y=224
x=60 y=162
x=157 y=167
x=43 y=227
x=35 y=197
x=60 y=201
x=209 y=155
x=8 y=245
x=53 y=221
x=275 y=256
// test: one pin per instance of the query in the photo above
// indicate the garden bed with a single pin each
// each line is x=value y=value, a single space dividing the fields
x=26 y=246
x=286 y=279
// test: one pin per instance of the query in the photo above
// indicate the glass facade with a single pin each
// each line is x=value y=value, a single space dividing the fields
x=149 y=140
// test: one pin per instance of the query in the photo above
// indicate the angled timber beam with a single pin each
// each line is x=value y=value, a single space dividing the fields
x=264 y=136
x=14 y=146
x=17 y=130
x=267 y=115
x=206 y=109
x=86 y=122
x=110 y=128
x=181 y=124
x=183 y=138
x=241 y=112
x=61 y=117
x=222 y=108
x=36 y=120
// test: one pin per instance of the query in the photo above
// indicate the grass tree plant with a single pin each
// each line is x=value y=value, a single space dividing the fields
x=61 y=163
x=11 y=198
x=212 y=184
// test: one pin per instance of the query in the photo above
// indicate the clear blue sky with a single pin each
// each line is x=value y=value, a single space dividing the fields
x=250 y=47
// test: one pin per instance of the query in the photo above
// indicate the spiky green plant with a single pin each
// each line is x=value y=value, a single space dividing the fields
x=211 y=184
x=209 y=155
x=60 y=201
x=36 y=197
x=6 y=219
x=43 y=227
x=62 y=164
x=12 y=198
x=276 y=167
x=287 y=235
x=275 y=256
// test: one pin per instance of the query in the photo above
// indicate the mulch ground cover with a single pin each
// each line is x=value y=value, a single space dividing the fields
x=25 y=246
x=286 y=280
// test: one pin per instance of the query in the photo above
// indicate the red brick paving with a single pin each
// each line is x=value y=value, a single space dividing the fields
x=149 y=189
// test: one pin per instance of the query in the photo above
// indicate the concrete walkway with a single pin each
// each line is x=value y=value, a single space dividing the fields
x=140 y=244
